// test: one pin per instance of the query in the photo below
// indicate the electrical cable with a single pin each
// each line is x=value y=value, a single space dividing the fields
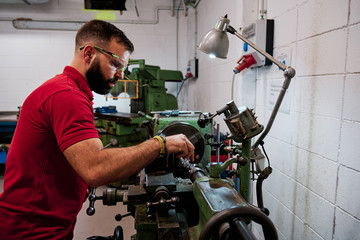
x=261 y=177
x=232 y=86
x=136 y=9
x=263 y=148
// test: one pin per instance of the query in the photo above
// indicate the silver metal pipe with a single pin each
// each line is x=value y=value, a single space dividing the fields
x=74 y=25
x=288 y=74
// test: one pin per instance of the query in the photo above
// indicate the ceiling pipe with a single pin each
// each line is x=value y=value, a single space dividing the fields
x=73 y=25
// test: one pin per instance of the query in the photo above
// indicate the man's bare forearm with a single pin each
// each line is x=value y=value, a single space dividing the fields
x=98 y=166
x=122 y=163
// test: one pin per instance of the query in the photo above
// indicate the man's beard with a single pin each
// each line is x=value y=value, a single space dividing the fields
x=96 y=79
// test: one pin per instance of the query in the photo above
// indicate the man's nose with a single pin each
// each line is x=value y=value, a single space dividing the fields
x=119 y=74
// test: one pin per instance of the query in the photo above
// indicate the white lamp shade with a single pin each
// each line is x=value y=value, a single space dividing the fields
x=216 y=41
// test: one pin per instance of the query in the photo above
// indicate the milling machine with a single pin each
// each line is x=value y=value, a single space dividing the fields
x=145 y=87
x=176 y=199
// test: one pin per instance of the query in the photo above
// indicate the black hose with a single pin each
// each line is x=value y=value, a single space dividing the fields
x=263 y=175
x=259 y=196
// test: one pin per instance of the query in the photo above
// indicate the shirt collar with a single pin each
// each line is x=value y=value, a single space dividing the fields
x=79 y=80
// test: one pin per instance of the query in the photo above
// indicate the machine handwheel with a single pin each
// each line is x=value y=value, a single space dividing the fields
x=118 y=233
x=228 y=215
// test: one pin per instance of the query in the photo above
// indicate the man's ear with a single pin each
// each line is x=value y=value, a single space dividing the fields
x=88 y=53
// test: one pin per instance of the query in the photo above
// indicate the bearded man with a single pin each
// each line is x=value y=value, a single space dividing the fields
x=56 y=152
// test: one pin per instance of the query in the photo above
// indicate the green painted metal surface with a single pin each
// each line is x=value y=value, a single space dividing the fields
x=152 y=90
x=244 y=171
x=145 y=227
x=213 y=195
x=192 y=120
x=126 y=128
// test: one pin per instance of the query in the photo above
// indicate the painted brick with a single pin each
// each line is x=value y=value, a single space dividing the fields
x=283 y=219
x=245 y=88
x=320 y=15
x=316 y=173
x=346 y=226
x=348 y=193
x=282 y=187
x=279 y=7
x=281 y=155
x=306 y=205
x=353 y=53
x=350 y=139
x=312 y=171
x=310 y=208
x=354 y=11
x=285 y=28
x=284 y=126
x=321 y=95
x=260 y=89
x=310 y=54
x=312 y=134
x=288 y=225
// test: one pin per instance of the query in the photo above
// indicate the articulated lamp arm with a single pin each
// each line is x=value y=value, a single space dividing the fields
x=216 y=43
x=289 y=73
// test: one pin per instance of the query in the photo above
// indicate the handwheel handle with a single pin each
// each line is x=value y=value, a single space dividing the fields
x=229 y=214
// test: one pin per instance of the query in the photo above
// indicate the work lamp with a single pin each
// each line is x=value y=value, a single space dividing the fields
x=216 y=44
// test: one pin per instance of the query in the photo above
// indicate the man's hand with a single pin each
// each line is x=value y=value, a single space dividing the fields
x=98 y=166
x=180 y=145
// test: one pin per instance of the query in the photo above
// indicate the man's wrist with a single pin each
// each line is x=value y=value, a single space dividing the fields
x=162 y=141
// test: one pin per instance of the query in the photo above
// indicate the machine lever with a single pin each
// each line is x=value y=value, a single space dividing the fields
x=118 y=235
x=205 y=119
x=113 y=142
x=92 y=198
x=216 y=169
x=161 y=206
x=119 y=217
x=163 y=202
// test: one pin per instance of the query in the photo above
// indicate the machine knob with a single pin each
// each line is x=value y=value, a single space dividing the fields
x=163 y=202
x=90 y=211
x=243 y=160
x=92 y=198
x=202 y=122
x=141 y=114
x=119 y=217
x=160 y=206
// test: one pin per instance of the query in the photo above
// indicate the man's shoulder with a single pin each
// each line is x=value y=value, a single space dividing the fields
x=61 y=85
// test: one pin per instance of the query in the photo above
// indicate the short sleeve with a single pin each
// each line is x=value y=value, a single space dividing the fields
x=71 y=117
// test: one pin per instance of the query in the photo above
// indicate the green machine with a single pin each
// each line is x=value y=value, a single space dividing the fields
x=145 y=86
x=152 y=91
x=172 y=198
x=146 y=89
x=175 y=199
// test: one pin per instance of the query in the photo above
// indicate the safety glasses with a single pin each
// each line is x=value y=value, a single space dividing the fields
x=117 y=64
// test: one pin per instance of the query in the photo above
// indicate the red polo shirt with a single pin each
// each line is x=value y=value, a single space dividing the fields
x=42 y=193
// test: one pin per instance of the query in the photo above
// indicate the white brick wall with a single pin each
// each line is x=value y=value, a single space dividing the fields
x=314 y=189
x=352 y=65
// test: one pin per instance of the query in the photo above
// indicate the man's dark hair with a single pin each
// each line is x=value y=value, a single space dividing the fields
x=100 y=33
